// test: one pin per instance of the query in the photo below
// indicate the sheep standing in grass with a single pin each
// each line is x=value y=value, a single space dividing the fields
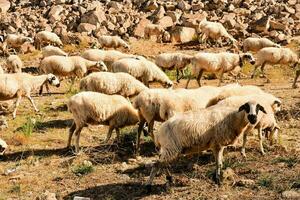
x=177 y=61
x=16 y=41
x=45 y=37
x=217 y=62
x=154 y=30
x=143 y=70
x=3 y=146
x=193 y=132
x=114 y=111
x=273 y=55
x=112 y=42
x=112 y=83
x=22 y=84
x=255 y=44
x=53 y=51
x=214 y=31
x=14 y=64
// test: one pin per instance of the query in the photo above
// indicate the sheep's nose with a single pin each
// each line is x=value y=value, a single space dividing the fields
x=252 y=62
x=58 y=85
x=252 y=118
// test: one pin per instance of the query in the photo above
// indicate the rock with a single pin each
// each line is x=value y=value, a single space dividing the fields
x=139 y=29
x=193 y=20
x=60 y=1
x=4 y=6
x=93 y=17
x=48 y=196
x=86 y=27
x=197 y=6
x=245 y=183
x=183 y=5
x=165 y=22
x=151 y=5
x=277 y=25
x=289 y=9
x=181 y=34
x=292 y=2
x=54 y=13
x=290 y=194
x=81 y=198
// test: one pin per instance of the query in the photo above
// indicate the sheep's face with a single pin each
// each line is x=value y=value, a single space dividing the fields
x=28 y=39
x=3 y=147
x=252 y=109
x=249 y=57
x=276 y=106
x=168 y=84
x=101 y=65
x=53 y=80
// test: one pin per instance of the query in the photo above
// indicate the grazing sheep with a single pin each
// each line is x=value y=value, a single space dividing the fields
x=114 y=111
x=143 y=70
x=215 y=31
x=217 y=62
x=255 y=44
x=272 y=55
x=107 y=56
x=154 y=29
x=112 y=83
x=53 y=51
x=16 y=41
x=46 y=37
x=22 y=84
x=14 y=64
x=3 y=146
x=177 y=61
x=112 y=42
x=193 y=132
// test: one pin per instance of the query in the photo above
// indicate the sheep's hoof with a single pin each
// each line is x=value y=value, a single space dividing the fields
x=295 y=86
x=218 y=180
x=262 y=153
x=148 y=188
x=169 y=179
x=252 y=76
x=243 y=154
x=268 y=81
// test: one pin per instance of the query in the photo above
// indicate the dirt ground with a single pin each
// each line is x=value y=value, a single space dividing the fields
x=37 y=160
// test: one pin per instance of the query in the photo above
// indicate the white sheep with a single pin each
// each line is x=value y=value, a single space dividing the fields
x=15 y=41
x=114 y=111
x=112 y=83
x=107 y=56
x=255 y=44
x=154 y=30
x=215 y=31
x=22 y=84
x=14 y=64
x=217 y=62
x=112 y=42
x=193 y=132
x=3 y=146
x=177 y=61
x=53 y=51
x=46 y=37
x=143 y=70
x=273 y=55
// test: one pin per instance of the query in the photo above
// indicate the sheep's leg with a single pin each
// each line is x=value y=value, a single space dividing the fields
x=199 y=77
x=150 y=126
x=221 y=78
x=109 y=133
x=71 y=131
x=296 y=78
x=254 y=70
x=243 y=151
x=16 y=106
x=188 y=81
x=138 y=137
x=262 y=70
x=47 y=88
x=41 y=90
x=274 y=136
x=261 y=147
x=177 y=75
x=77 y=133
x=218 y=152
x=154 y=171
x=118 y=134
x=32 y=102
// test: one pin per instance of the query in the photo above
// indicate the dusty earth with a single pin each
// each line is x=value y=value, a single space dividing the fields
x=37 y=160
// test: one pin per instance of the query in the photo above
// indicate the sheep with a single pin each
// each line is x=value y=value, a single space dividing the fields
x=273 y=55
x=107 y=56
x=46 y=37
x=268 y=121
x=192 y=132
x=177 y=61
x=97 y=108
x=3 y=146
x=14 y=64
x=143 y=70
x=215 y=31
x=112 y=83
x=21 y=84
x=53 y=51
x=154 y=29
x=217 y=62
x=112 y=42
x=16 y=41
x=255 y=44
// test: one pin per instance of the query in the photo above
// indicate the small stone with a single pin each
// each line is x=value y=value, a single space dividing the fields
x=291 y=194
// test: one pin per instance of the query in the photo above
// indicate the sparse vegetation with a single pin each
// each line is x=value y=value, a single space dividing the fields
x=289 y=161
x=266 y=181
x=83 y=169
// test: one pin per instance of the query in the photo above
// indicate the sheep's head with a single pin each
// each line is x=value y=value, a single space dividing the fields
x=249 y=57
x=28 y=39
x=3 y=146
x=101 y=65
x=168 y=84
x=53 y=80
x=276 y=106
x=251 y=110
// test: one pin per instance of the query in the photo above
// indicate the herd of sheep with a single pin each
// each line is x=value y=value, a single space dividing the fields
x=115 y=92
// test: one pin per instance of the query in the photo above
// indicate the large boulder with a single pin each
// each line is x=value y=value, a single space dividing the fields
x=93 y=17
x=86 y=27
x=4 y=6
x=54 y=14
x=139 y=29
x=166 y=22
x=181 y=34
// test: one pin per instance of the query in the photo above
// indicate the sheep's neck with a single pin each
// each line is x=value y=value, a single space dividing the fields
x=38 y=81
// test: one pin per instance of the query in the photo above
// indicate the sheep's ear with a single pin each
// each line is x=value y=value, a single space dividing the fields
x=262 y=109
x=243 y=107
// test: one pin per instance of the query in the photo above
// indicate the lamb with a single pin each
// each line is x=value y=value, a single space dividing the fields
x=97 y=108
x=3 y=146
x=215 y=31
x=143 y=70
x=255 y=44
x=16 y=41
x=22 y=84
x=154 y=29
x=46 y=37
x=14 y=64
x=192 y=132
x=53 y=51
x=217 y=62
x=107 y=56
x=178 y=61
x=273 y=55
x=112 y=83
x=112 y=42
